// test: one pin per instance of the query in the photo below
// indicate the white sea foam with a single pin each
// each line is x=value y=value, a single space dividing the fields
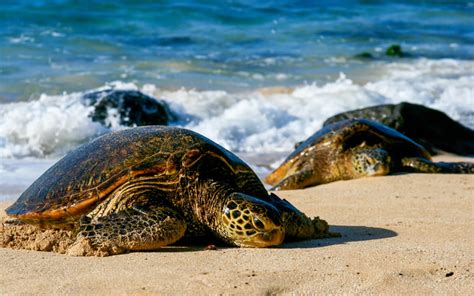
x=21 y=39
x=51 y=125
x=251 y=121
x=48 y=126
x=246 y=122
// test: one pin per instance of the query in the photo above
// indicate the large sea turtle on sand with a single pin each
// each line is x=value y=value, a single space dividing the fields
x=147 y=187
x=355 y=148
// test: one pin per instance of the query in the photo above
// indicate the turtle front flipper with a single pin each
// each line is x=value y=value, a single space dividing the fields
x=298 y=180
x=134 y=229
x=422 y=165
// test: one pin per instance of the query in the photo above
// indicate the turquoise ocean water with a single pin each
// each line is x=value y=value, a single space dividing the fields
x=65 y=45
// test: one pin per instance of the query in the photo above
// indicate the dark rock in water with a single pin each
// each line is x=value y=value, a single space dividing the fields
x=133 y=108
x=394 y=50
x=431 y=128
x=364 y=55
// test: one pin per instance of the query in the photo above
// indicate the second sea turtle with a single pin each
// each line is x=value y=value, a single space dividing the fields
x=352 y=149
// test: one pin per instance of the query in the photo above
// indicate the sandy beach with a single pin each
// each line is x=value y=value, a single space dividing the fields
x=401 y=234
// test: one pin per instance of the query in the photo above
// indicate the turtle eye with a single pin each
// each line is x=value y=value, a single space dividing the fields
x=258 y=223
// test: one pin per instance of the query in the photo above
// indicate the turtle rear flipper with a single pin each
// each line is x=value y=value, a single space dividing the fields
x=422 y=165
x=133 y=229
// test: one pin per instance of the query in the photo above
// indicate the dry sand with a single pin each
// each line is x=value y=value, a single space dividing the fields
x=402 y=234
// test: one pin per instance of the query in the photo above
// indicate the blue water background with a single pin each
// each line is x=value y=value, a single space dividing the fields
x=65 y=45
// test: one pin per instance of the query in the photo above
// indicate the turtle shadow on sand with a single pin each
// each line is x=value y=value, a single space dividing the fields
x=349 y=233
x=31 y=238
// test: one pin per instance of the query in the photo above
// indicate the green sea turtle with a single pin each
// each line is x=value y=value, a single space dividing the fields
x=147 y=187
x=355 y=148
x=429 y=127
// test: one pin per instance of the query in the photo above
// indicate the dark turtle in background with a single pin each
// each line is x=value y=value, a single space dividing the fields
x=132 y=107
x=429 y=127
x=147 y=187
x=352 y=149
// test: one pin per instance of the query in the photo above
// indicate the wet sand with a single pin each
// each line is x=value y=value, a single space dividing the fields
x=402 y=234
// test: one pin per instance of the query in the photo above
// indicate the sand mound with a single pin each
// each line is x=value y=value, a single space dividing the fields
x=17 y=235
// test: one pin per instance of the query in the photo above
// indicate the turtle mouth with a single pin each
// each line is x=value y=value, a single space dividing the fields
x=264 y=239
x=377 y=169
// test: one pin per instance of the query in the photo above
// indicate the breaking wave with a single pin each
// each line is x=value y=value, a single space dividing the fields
x=257 y=121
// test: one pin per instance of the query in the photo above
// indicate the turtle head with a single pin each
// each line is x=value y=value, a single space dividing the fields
x=370 y=162
x=249 y=222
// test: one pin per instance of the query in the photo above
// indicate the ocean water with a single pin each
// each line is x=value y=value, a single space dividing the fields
x=256 y=78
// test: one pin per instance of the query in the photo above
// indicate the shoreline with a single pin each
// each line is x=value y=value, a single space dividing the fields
x=402 y=234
